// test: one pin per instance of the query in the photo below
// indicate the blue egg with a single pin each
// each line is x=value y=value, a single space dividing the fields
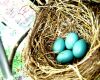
x=65 y=56
x=59 y=45
x=80 y=48
x=70 y=40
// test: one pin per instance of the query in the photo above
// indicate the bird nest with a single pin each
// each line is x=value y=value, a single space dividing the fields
x=57 y=19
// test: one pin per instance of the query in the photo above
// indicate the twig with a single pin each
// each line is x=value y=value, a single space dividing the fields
x=15 y=48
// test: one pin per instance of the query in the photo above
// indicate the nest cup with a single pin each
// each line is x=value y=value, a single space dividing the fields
x=57 y=19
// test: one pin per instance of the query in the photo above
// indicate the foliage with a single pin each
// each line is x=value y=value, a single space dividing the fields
x=17 y=62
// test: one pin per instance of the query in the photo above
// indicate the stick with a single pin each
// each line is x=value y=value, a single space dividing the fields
x=15 y=48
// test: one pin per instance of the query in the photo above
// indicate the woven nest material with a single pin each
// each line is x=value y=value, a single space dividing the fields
x=57 y=19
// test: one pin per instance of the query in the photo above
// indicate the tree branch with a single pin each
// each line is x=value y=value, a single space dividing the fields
x=15 y=48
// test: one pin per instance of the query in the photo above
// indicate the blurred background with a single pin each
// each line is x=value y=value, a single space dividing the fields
x=16 y=17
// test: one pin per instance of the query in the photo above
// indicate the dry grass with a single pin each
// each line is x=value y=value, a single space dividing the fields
x=57 y=19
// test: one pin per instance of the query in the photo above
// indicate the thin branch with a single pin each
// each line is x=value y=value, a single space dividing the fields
x=15 y=48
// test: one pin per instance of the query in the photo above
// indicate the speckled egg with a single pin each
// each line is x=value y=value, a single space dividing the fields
x=70 y=40
x=65 y=56
x=59 y=45
x=80 y=48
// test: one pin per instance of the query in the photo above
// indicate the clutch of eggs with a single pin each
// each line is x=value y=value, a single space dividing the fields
x=69 y=48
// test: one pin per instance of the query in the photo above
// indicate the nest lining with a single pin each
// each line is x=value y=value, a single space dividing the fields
x=55 y=20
